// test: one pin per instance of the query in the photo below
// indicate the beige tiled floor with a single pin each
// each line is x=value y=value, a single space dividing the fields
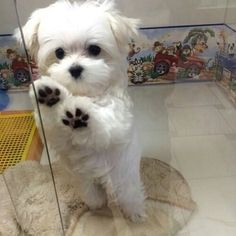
x=203 y=156
x=193 y=128
x=230 y=117
x=19 y=101
x=216 y=215
x=200 y=120
x=192 y=94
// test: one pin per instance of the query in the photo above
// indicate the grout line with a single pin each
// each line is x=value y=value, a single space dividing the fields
x=226 y=121
x=191 y=106
x=220 y=111
x=182 y=26
x=210 y=178
x=224 y=93
x=211 y=92
x=226 y=11
x=234 y=30
x=200 y=135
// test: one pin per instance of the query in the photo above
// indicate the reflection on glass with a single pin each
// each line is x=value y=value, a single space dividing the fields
x=182 y=81
x=27 y=188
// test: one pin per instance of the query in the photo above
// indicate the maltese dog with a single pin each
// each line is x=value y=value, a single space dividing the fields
x=81 y=50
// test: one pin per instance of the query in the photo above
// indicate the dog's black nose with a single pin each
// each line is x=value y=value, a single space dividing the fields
x=76 y=71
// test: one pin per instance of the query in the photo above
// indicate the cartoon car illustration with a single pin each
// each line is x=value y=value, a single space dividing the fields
x=19 y=66
x=21 y=70
x=163 y=62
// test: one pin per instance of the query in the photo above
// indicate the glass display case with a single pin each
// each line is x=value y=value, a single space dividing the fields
x=181 y=78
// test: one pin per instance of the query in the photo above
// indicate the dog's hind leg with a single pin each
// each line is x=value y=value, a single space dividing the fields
x=92 y=194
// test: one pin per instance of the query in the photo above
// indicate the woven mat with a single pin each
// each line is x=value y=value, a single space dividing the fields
x=169 y=204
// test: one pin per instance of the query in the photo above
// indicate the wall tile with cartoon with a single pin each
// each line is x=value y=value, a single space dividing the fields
x=178 y=54
x=160 y=55
x=14 y=71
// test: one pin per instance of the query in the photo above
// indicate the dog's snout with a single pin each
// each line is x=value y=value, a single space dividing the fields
x=76 y=71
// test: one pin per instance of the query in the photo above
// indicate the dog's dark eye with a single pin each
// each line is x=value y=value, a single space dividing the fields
x=94 y=50
x=60 y=53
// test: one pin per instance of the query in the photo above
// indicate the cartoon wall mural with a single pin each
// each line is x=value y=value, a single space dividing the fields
x=14 y=71
x=226 y=63
x=161 y=55
x=198 y=39
x=177 y=54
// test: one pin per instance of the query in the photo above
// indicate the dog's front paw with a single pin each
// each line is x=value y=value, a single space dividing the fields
x=48 y=95
x=47 y=91
x=77 y=120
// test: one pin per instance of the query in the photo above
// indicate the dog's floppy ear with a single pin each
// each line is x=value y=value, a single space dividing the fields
x=30 y=32
x=123 y=28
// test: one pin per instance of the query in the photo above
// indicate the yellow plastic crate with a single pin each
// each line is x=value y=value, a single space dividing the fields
x=16 y=134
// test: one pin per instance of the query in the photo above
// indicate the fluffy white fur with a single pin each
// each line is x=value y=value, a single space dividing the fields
x=105 y=155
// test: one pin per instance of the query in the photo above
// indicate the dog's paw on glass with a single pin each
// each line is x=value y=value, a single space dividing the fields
x=48 y=96
x=76 y=120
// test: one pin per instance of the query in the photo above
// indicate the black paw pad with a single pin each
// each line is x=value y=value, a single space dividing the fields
x=48 y=96
x=76 y=120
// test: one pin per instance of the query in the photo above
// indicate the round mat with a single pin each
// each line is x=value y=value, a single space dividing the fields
x=169 y=205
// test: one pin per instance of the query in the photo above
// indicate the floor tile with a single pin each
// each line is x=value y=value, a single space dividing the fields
x=221 y=95
x=156 y=144
x=198 y=121
x=230 y=116
x=192 y=95
x=203 y=156
x=149 y=107
x=216 y=214
x=231 y=160
x=19 y=101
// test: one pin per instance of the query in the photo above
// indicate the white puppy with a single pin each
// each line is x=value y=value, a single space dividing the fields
x=80 y=49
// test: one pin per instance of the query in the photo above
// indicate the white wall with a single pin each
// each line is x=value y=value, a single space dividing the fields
x=8 y=21
x=230 y=16
x=175 y=12
x=152 y=12
x=7 y=17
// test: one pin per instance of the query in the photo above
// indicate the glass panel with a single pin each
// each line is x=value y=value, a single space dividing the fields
x=168 y=13
x=230 y=17
x=28 y=204
x=190 y=126
x=181 y=76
